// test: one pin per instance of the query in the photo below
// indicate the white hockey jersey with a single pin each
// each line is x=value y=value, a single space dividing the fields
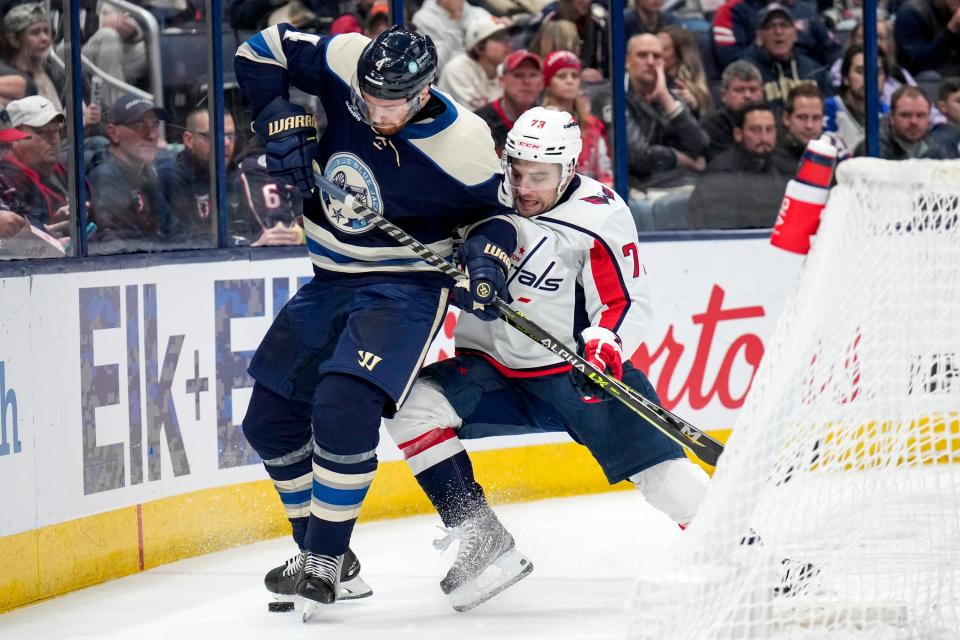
x=575 y=266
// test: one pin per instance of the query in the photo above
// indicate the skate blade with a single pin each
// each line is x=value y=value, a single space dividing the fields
x=308 y=608
x=354 y=589
x=504 y=572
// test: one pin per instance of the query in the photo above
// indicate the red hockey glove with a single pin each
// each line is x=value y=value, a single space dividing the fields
x=601 y=348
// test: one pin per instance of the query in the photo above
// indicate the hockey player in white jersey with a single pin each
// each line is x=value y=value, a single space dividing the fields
x=576 y=272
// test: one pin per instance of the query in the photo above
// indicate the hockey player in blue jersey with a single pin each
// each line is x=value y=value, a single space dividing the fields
x=346 y=349
x=577 y=273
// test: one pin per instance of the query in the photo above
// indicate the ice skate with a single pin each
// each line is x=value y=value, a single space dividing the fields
x=318 y=582
x=282 y=581
x=486 y=563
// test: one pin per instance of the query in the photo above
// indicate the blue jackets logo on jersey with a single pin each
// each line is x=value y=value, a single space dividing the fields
x=349 y=173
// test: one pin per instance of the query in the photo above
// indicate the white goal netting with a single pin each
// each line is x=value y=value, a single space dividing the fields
x=843 y=469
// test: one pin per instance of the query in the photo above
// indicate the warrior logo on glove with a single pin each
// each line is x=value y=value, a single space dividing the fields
x=290 y=122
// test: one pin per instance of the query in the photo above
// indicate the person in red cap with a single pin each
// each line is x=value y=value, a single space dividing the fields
x=33 y=159
x=10 y=221
x=561 y=76
x=521 y=77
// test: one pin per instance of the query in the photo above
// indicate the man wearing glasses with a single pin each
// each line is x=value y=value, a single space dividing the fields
x=128 y=205
x=32 y=160
x=186 y=184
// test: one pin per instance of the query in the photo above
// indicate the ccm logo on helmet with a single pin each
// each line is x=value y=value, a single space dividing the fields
x=291 y=122
x=529 y=145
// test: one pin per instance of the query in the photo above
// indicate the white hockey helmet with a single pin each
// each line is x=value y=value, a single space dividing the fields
x=544 y=135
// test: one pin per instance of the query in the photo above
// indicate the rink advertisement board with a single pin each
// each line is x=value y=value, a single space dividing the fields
x=126 y=387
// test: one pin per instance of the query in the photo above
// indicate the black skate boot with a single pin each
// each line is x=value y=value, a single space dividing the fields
x=486 y=563
x=282 y=581
x=319 y=581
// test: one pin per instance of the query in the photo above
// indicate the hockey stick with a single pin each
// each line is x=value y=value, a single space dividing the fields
x=683 y=433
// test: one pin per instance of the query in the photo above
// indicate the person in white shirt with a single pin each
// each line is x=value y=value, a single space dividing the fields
x=445 y=21
x=577 y=272
x=471 y=76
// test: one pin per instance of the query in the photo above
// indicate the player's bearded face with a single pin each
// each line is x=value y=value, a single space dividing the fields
x=389 y=116
x=534 y=185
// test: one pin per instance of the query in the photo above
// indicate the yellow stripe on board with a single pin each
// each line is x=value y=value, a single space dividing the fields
x=933 y=439
x=96 y=548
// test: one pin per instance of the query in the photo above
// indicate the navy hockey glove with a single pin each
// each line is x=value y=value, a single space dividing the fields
x=602 y=349
x=291 y=135
x=486 y=266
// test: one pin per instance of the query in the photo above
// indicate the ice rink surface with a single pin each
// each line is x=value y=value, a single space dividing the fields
x=585 y=550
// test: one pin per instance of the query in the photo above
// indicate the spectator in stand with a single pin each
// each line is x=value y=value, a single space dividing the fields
x=446 y=21
x=471 y=76
x=561 y=75
x=740 y=85
x=928 y=36
x=684 y=69
x=742 y=187
x=665 y=144
x=11 y=222
x=800 y=122
x=781 y=66
x=646 y=16
x=884 y=42
x=27 y=40
x=905 y=133
x=128 y=204
x=521 y=77
x=736 y=23
x=591 y=29
x=845 y=113
x=377 y=21
x=947 y=134
x=118 y=48
x=268 y=212
x=186 y=183
x=31 y=162
x=555 y=35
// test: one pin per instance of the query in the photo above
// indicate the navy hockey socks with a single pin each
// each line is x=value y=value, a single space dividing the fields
x=346 y=421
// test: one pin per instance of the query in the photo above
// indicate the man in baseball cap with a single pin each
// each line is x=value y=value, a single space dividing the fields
x=128 y=205
x=33 y=111
x=33 y=158
x=471 y=75
x=131 y=108
x=521 y=78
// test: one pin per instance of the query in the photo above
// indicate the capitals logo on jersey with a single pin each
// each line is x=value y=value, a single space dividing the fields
x=604 y=197
x=349 y=173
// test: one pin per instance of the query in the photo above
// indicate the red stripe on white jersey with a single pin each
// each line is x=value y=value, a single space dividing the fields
x=507 y=372
x=610 y=287
x=429 y=439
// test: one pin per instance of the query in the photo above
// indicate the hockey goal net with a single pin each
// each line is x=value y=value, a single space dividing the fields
x=835 y=509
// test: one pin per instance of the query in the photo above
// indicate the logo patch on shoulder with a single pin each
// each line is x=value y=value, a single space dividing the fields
x=349 y=173
x=606 y=196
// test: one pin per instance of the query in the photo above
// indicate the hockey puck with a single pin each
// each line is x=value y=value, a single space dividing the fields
x=280 y=607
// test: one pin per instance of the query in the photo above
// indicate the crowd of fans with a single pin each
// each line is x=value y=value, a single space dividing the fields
x=721 y=99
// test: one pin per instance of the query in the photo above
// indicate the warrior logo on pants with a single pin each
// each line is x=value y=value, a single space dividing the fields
x=349 y=173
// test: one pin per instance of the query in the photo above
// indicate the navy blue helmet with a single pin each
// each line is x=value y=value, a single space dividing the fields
x=397 y=64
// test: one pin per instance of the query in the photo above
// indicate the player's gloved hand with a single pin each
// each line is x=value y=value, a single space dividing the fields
x=291 y=135
x=486 y=265
x=601 y=348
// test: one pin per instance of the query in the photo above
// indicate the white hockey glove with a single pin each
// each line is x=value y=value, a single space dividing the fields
x=602 y=349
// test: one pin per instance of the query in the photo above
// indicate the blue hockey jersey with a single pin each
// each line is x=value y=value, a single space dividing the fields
x=437 y=174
